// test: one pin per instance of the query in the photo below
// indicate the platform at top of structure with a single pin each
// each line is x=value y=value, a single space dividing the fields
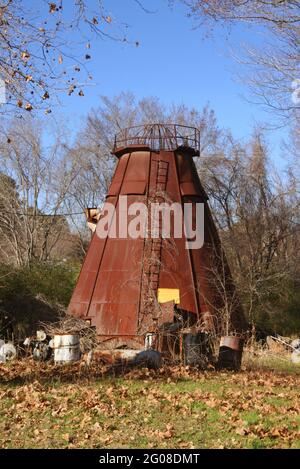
x=168 y=137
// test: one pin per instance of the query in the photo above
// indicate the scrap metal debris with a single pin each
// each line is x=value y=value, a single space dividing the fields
x=7 y=351
x=283 y=345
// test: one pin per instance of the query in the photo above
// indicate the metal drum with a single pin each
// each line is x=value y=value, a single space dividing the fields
x=66 y=348
x=230 y=352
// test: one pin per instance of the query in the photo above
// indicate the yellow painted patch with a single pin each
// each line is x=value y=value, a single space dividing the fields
x=168 y=294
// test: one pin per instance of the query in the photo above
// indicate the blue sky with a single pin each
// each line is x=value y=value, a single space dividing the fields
x=174 y=62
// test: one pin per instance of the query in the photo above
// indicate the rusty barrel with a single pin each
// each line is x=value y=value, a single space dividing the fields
x=230 y=353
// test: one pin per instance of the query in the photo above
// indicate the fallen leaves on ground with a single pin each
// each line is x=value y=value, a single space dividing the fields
x=45 y=405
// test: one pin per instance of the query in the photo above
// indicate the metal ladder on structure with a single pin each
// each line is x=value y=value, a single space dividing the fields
x=153 y=251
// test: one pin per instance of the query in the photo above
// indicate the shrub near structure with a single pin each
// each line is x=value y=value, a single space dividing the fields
x=34 y=293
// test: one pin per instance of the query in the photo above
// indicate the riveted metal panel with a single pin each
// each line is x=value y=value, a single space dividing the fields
x=118 y=177
x=136 y=176
x=115 y=318
x=175 y=263
x=133 y=187
x=188 y=177
x=188 y=188
x=116 y=295
x=80 y=301
x=137 y=169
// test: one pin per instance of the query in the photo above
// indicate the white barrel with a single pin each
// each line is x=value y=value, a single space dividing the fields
x=66 y=348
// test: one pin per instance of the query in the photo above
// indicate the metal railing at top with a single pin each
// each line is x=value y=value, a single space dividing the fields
x=159 y=136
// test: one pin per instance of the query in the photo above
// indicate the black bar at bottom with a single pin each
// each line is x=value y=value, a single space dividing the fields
x=142 y=457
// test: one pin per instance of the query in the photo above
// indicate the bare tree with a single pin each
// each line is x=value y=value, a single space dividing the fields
x=257 y=212
x=46 y=47
x=31 y=194
x=275 y=62
x=227 y=314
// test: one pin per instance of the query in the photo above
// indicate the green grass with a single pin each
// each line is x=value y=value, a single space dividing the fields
x=57 y=407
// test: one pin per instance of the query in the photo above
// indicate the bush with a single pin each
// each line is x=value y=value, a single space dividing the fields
x=281 y=312
x=32 y=294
